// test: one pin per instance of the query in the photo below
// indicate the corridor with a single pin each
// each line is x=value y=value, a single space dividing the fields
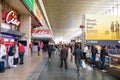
x=51 y=71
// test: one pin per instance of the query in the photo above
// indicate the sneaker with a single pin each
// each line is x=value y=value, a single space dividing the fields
x=49 y=59
x=14 y=65
x=103 y=70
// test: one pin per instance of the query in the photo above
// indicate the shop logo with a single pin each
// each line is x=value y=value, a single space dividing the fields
x=10 y=18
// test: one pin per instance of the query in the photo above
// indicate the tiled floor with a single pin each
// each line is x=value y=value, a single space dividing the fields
x=22 y=72
x=53 y=72
x=39 y=68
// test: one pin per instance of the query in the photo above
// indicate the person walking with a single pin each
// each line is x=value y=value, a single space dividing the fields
x=94 y=52
x=85 y=51
x=78 y=53
x=21 y=50
x=64 y=56
x=49 y=52
x=3 y=57
x=16 y=55
x=103 y=57
x=11 y=53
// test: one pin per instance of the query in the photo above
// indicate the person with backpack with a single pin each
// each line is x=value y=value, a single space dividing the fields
x=11 y=53
x=21 y=50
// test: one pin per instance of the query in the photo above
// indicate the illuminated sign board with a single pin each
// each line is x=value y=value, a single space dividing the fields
x=30 y=4
x=10 y=19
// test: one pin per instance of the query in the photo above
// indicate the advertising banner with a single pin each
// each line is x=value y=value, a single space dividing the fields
x=30 y=4
x=102 y=27
x=34 y=8
x=38 y=14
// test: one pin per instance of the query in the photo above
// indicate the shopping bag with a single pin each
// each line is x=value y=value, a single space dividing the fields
x=82 y=64
x=38 y=53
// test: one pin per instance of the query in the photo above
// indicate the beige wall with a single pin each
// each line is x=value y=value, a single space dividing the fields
x=26 y=28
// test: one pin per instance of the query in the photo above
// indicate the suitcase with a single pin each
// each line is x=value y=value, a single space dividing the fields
x=2 y=66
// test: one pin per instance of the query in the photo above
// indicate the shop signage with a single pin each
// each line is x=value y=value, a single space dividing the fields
x=11 y=19
x=8 y=36
x=40 y=31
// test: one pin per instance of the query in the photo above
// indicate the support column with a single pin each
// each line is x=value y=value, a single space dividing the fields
x=26 y=28
x=0 y=15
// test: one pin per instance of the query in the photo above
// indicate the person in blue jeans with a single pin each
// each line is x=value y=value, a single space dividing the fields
x=103 y=57
x=94 y=52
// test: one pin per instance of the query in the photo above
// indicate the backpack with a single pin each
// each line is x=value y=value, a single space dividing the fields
x=14 y=50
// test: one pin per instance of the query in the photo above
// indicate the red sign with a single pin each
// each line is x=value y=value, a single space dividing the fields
x=40 y=31
x=82 y=26
x=10 y=19
x=7 y=41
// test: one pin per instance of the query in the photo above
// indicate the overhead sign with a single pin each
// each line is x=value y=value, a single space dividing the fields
x=34 y=8
x=30 y=4
x=8 y=36
x=11 y=19
x=38 y=14
x=41 y=33
x=102 y=27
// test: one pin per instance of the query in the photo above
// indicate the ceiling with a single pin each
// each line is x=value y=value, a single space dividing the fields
x=65 y=16
x=19 y=7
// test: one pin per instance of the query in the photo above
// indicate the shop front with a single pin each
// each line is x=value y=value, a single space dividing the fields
x=10 y=25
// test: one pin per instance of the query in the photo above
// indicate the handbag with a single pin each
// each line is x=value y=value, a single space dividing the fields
x=82 y=64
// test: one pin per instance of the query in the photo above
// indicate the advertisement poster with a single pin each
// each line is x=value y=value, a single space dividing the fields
x=102 y=27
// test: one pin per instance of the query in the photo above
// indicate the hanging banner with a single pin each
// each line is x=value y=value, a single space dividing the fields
x=102 y=27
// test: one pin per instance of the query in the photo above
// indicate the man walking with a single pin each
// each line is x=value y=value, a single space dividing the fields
x=78 y=56
x=63 y=56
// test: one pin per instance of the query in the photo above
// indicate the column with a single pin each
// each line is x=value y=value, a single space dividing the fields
x=26 y=28
x=0 y=14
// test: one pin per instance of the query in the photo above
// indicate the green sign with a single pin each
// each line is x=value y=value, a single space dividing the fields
x=30 y=4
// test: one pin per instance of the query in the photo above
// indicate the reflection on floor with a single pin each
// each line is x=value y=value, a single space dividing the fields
x=52 y=71
x=22 y=71
x=39 y=68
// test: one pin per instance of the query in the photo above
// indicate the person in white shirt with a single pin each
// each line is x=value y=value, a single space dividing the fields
x=2 y=50
x=85 y=50
x=16 y=55
x=3 y=53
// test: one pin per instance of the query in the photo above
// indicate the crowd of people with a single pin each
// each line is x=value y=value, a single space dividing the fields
x=79 y=54
x=15 y=54
x=10 y=57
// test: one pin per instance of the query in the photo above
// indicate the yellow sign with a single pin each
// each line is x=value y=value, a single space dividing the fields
x=102 y=27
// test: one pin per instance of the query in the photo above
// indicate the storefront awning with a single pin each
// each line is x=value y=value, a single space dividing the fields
x=12 y=32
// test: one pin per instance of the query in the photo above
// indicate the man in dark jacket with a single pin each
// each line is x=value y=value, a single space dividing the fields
x=103 y=56
x=49 y=52
x=78 y=56
x=11 y=53
x=94 y=52
x=63 y=56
